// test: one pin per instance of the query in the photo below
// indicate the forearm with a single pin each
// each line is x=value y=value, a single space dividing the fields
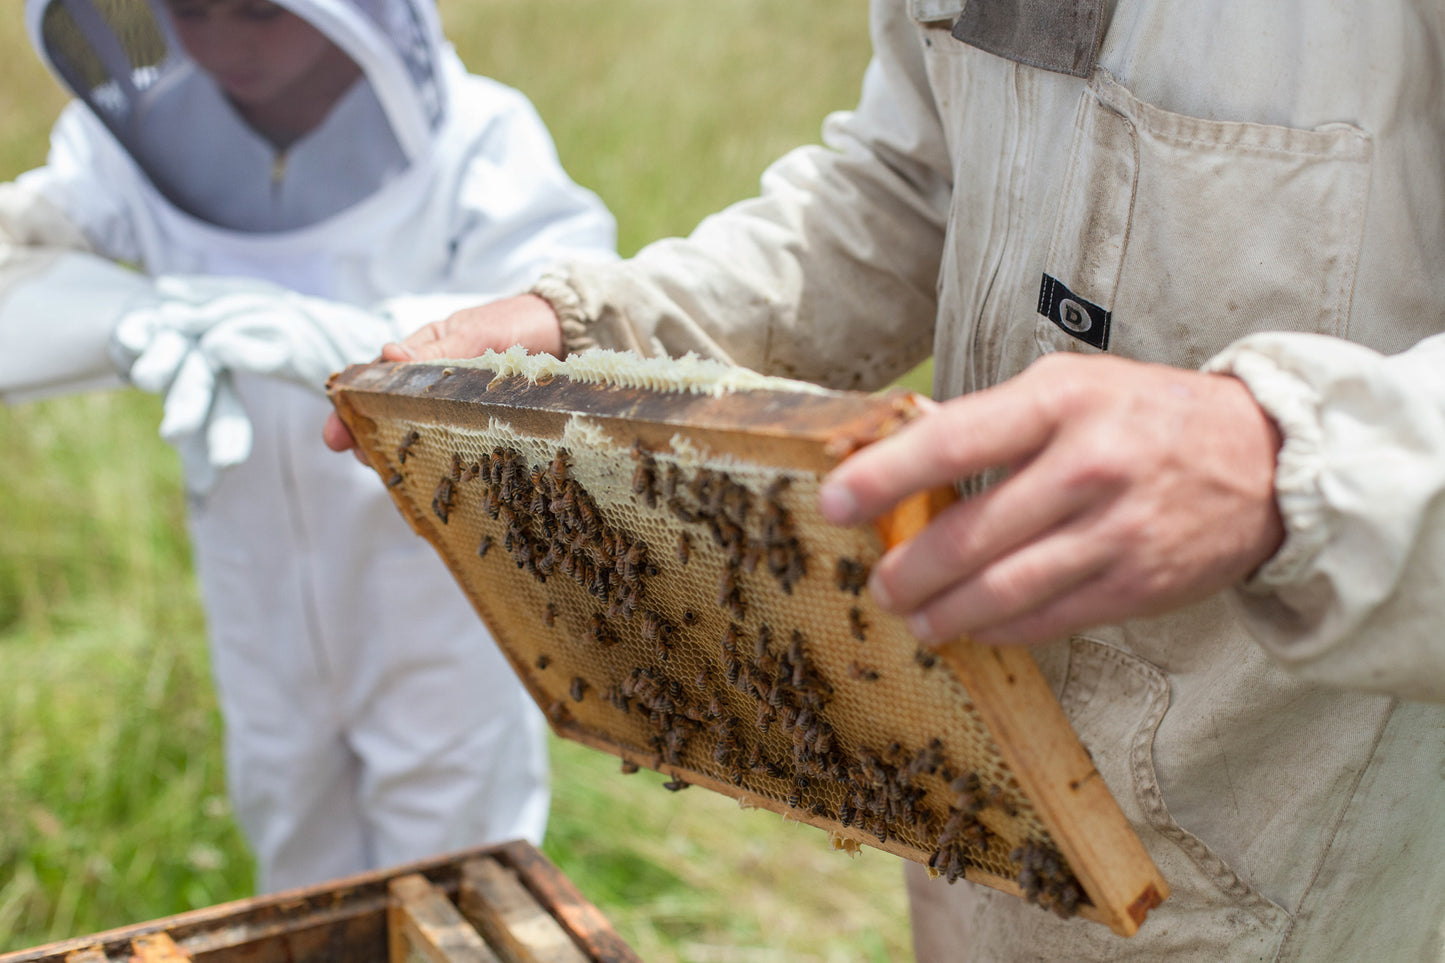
x=1353 y=597
x=58 y=302
x=829 y=275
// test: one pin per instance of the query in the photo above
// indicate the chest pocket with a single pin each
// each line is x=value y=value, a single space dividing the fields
x=1175 y=235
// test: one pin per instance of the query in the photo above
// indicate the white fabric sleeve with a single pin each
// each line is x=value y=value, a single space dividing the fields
x=841 y=249
x=58 y=301
x=514 y=212
x=1355 y=597
x=62 y=232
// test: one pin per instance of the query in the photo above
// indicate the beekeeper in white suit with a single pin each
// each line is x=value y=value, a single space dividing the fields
x=298 y=183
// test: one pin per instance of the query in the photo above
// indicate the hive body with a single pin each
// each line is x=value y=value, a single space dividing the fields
x=649 y=555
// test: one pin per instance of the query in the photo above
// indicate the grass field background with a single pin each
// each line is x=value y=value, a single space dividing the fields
x=112 y=803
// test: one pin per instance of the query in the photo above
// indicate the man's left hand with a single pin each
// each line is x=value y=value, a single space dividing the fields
x=1130 y=489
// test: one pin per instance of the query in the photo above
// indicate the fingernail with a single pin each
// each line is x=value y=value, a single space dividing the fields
x=921 y=628
x=880 y=593
x=837 y=503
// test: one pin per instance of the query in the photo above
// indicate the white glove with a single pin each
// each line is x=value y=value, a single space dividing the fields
x=186 y=343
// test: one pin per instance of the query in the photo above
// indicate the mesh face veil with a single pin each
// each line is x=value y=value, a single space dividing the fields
x=180 y=119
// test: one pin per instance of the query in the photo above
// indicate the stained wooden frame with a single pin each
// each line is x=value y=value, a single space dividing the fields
x=817 y=432
x=350 y=920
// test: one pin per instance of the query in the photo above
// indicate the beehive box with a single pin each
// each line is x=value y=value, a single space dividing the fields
x=643 y=541
x=497 y=903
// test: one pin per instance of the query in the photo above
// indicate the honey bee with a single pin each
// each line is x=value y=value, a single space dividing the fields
x=812 y=736
x=404 y=449
x=857 y=624
x=795 y=654
x=726 y=584
x=394 y=480
x=441 y=502
x=549 y=615
x=765 y=639
x=681 y=512
x=966 y=783
x=484 y=546
x=925 y=658
x=543 y=661
x=862 y=673
x=633 y=558
x=628 y=767
x=559 y=468
x=587 y=515
x=766 y=715
x=601 y=634
x=676 y=784
x=684 y=548
x=578 y=688
x=755 y=758
x=456 y=466
x=644 y=478
x=730 y=640
x=851 y=575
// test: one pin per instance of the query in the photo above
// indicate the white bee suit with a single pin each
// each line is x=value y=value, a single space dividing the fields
x=369 y=718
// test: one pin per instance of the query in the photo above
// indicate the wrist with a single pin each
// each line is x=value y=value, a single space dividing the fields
x=539 y=327
x=566 y=307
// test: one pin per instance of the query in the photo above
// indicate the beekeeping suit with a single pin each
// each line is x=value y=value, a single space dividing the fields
x=369 y=718
x=1251 y=188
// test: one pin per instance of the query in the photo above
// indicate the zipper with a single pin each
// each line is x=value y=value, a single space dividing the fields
x=278 y=175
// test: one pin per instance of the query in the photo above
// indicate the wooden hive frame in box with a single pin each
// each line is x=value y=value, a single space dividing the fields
x=494 y=904
x=641 y=538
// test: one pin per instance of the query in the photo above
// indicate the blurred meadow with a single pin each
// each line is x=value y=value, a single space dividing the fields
x=112 y=799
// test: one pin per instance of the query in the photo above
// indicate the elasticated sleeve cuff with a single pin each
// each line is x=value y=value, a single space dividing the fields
x=1294 y=406
x=555 y=287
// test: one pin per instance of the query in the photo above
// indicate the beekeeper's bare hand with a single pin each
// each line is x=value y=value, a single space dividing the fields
x=526 y=320
x=1131 y=489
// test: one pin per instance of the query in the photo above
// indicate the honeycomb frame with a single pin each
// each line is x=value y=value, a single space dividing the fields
x=642 y=540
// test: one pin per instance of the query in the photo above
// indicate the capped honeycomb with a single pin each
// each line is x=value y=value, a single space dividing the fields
x=643 y=541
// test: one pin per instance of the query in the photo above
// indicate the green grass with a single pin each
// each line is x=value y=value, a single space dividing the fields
x=112 y=800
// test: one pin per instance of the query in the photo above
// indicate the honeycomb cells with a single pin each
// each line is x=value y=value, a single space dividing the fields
x=696 y=615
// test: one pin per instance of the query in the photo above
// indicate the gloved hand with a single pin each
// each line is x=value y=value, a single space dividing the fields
x=187 y=340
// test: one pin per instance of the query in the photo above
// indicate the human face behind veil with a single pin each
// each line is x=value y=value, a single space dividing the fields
x=282 y=73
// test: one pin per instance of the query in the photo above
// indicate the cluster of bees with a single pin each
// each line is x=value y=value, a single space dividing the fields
x=1046 y=878
x=713 y=500
x=749 y=686
x=552 y=525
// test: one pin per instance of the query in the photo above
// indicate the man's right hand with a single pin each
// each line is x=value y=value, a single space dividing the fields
x=526 y=320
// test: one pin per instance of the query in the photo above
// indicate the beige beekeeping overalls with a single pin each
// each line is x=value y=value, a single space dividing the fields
x=1159 y=182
